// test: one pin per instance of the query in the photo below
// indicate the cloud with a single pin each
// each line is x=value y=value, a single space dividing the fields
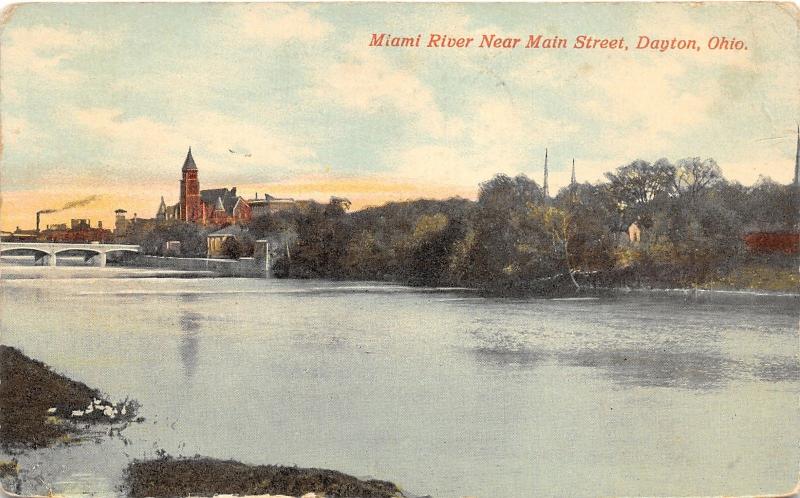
x=44 y=51
x=500 y=138
x=279 y=23
x=366 y=81
x=17 y=130
x=259 y=151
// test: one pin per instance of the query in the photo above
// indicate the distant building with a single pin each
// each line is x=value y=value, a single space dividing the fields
x=131 y=230
x=20 y=235
x=769 y=242
x=269 y=205
x=215 y=241
x=172 y=248
x=80 y=224
x=634 y=233
x=120 y=223
x=212 y=206
x=80 y=230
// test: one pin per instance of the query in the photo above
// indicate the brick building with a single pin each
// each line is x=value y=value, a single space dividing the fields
x=217 y=206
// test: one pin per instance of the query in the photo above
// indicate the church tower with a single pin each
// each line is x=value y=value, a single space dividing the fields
x=191 y=205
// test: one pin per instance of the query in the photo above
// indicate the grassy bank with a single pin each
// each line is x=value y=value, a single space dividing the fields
x=759 y=277
x=181 y=477
x=41 y=407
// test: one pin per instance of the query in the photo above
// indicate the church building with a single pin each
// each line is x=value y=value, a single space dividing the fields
x=217 y=206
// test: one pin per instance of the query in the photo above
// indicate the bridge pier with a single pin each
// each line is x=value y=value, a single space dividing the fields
x=101 y=260
x=45 y=259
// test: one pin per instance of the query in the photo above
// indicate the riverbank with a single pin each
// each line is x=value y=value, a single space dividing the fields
x=243 y=267
x=41 y=407
x=200 y=476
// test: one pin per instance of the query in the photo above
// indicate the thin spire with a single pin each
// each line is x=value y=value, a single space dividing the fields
x=545 y=189
x=572 y=181
x=797 y=160
x=162 y=209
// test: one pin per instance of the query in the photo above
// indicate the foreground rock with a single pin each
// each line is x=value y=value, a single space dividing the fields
x=41 y=407
x=181 y=477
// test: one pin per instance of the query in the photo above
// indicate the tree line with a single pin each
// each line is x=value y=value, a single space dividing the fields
x=513 y=239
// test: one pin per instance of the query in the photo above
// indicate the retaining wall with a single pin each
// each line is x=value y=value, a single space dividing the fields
x=244 y=267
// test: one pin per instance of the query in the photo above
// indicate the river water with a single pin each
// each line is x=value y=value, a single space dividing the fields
x=445 y=393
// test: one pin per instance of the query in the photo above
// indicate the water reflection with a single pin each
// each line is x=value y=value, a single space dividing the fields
x=658 y=368
x=503 y=358
x=189 y=342
x=504 y=348
x=778 y=369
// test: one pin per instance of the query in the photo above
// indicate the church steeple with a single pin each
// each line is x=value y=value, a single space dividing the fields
x=545 y=189
x=189 y=164
x=161 y=215
x=572 y=181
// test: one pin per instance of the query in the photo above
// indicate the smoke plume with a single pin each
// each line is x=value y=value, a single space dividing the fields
x=70 y=205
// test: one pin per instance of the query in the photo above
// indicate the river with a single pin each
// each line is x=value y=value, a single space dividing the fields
x=443 y=392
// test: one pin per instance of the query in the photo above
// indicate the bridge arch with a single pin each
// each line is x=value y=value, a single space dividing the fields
x=39 y=254
x=24 y=250
x=123 y=249
x=78 y=249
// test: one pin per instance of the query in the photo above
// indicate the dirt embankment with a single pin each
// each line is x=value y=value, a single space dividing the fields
x=41 y=407
x=180 y=477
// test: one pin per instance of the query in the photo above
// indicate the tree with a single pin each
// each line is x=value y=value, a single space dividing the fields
x=509 y=248
x=693 y=176
x=772 y=206
x=232 y=248
x=191 y=236
x=635 y=185
x=594 y=215
x=561 y=226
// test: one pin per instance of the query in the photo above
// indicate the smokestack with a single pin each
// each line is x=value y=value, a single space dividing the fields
x=37 y=221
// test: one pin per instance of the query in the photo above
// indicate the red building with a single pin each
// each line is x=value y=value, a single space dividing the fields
x=80 y=231
x=212 y=206
x=765 y=242
x=191 y=205
x=777 y=238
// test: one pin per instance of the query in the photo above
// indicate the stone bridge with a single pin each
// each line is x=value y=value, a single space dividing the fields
x=47 y=252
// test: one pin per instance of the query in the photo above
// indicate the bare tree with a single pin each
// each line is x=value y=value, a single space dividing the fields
x=693 y=176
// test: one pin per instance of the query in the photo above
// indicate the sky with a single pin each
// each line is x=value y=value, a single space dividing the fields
x=289 y=99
